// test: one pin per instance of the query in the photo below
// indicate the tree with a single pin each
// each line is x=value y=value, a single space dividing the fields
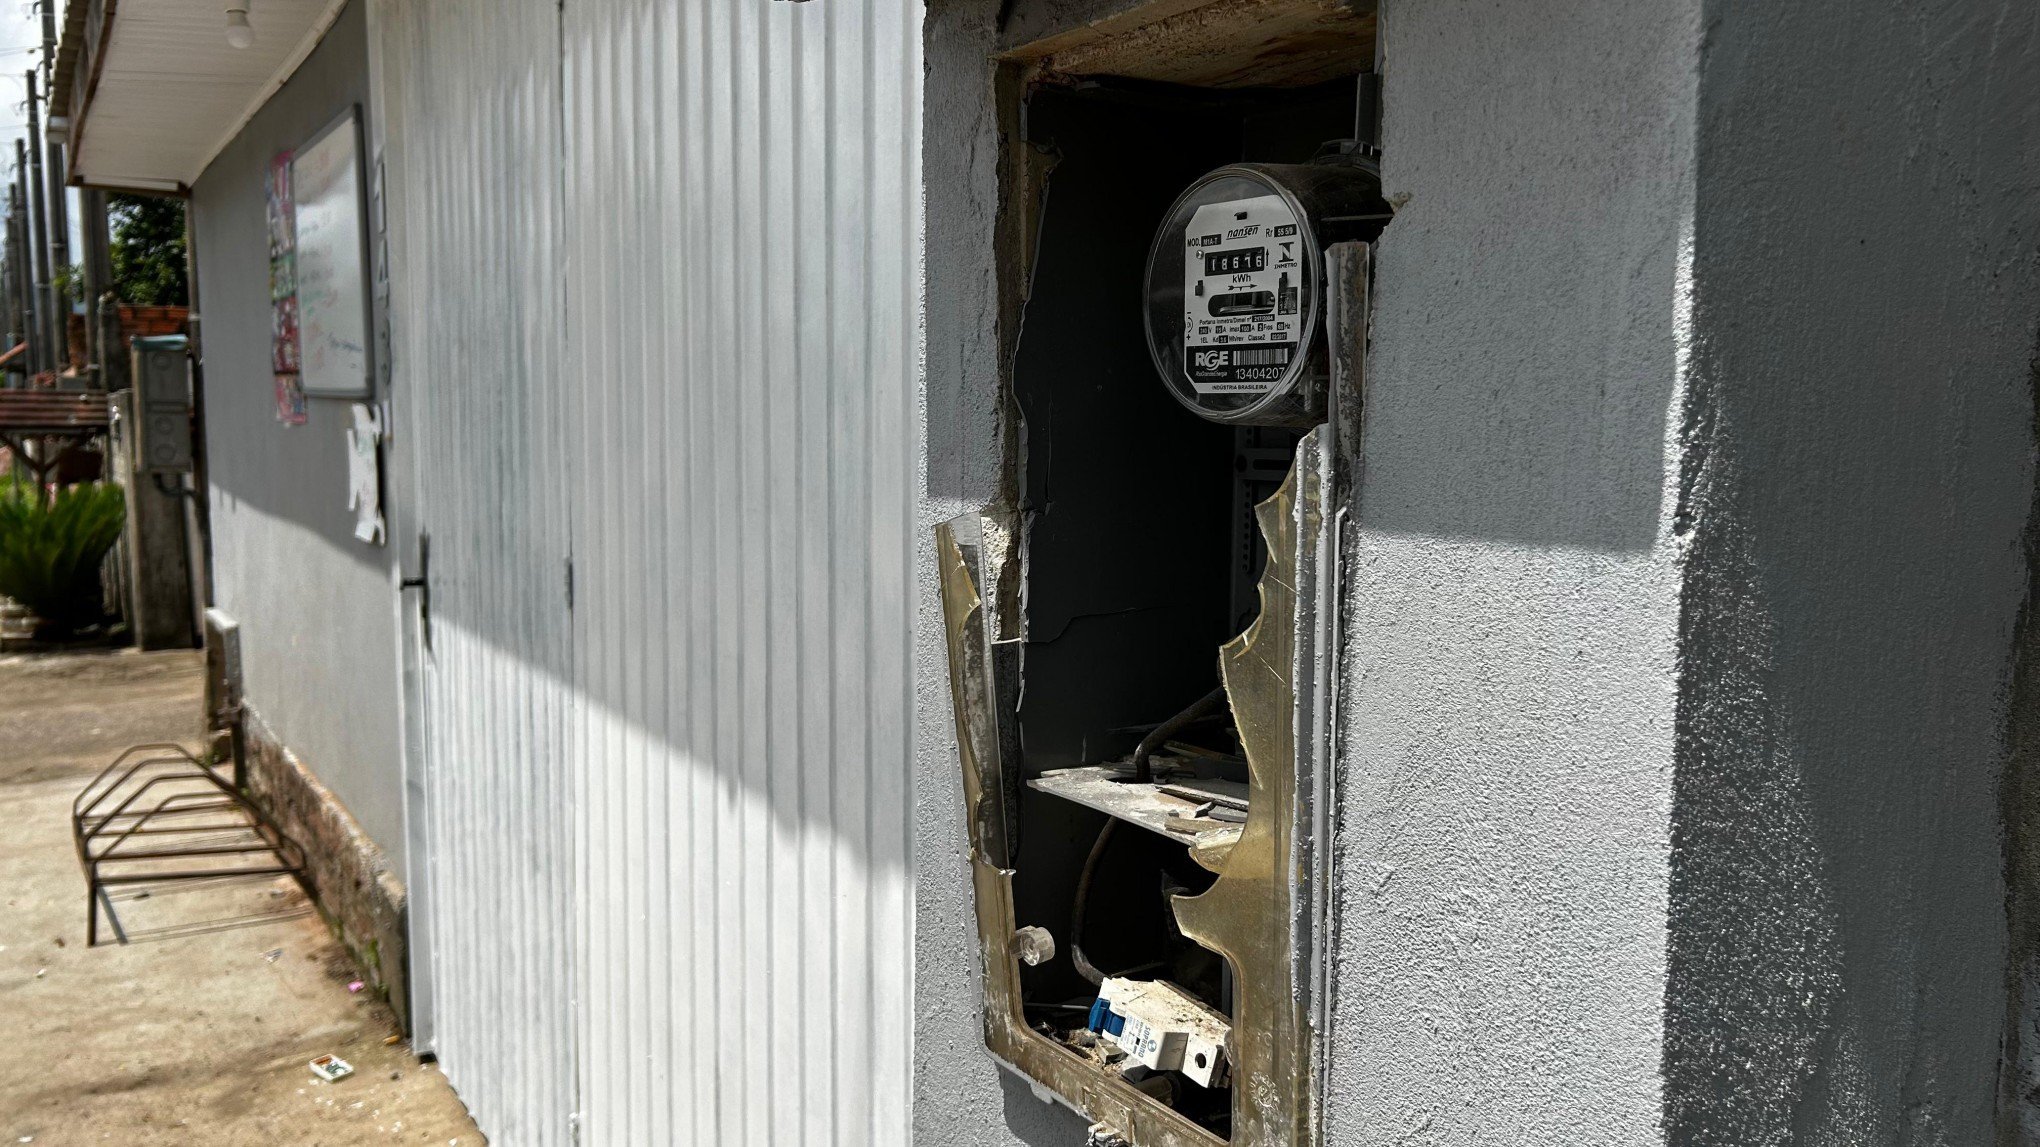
x=148 y=249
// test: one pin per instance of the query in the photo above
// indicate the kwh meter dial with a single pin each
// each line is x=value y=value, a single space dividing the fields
x=1235 y=286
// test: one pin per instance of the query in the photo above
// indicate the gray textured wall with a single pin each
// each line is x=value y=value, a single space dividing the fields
x=1698 y=455
x=1697 y=713
x=1513 y=598
x=1859 y=465
x=961 y=1098
x=318 y=631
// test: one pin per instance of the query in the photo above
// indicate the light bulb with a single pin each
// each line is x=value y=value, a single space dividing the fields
x=240 y=33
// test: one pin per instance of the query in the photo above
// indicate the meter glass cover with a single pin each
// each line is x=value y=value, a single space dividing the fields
x=1231 y=293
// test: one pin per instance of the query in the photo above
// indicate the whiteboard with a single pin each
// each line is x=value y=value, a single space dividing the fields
x=332 y=292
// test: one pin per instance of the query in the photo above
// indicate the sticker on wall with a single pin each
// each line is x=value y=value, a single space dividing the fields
x=364 y=480
x=284 y=336
x=283 y=302
x=290 y=400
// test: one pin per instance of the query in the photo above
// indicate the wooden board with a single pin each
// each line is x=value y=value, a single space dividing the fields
x=1220 y=44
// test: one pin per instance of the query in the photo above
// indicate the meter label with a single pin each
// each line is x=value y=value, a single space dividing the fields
x=1242 y=284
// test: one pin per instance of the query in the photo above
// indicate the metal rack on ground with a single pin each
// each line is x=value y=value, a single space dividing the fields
x=159 y=814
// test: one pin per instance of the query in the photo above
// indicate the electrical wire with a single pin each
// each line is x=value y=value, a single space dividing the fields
x=1082 y=902
x=1143 y=773
x=1143 y=768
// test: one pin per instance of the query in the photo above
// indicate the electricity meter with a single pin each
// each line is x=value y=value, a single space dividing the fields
x=1235 y=286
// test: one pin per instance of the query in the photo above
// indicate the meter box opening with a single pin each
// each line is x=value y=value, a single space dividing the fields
x=1137 y=633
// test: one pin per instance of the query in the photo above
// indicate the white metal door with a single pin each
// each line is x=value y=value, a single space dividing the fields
x=469 y=110
x=661 y=315
x=742 y=215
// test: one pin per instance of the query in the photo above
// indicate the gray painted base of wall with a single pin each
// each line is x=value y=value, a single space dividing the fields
x=356 y=888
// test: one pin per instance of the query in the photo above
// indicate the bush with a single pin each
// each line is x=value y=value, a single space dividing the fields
x=148 y=249
x=51 y=547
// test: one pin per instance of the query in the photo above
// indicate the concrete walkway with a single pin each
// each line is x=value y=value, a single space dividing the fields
x=200 y=1030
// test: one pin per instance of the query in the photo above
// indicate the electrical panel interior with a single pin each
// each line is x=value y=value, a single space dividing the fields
x=1123 y=633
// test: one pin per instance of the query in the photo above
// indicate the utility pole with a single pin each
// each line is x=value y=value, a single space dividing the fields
x=60 y=257
x=39 y=238
x=97 y=271
x=18 y=310
x=10 y=261
x=31 y=330
x=59 y=201
x=48 y=62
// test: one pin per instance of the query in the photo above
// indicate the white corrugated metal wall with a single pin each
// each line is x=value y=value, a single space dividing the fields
x=469 y=103
x=709 y=283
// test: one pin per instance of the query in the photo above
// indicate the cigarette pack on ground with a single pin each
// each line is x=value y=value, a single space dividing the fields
x=331 y=1068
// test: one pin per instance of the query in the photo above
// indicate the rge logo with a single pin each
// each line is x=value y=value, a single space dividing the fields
x=1212 y=359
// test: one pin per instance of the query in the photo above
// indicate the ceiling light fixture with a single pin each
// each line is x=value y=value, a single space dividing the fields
x=240 y=33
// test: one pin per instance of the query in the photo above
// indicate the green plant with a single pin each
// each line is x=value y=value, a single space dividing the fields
x=51 y=547
x=148 y=249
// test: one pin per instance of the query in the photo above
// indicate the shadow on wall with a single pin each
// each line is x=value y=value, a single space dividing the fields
x=1740 y=765
x=1860 y=471
x=2019 y=801
x=1034 y=1120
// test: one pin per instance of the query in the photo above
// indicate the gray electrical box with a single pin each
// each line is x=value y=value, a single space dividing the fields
x=162 y=374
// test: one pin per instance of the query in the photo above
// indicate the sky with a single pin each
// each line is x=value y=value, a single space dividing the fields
x=20 y=50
